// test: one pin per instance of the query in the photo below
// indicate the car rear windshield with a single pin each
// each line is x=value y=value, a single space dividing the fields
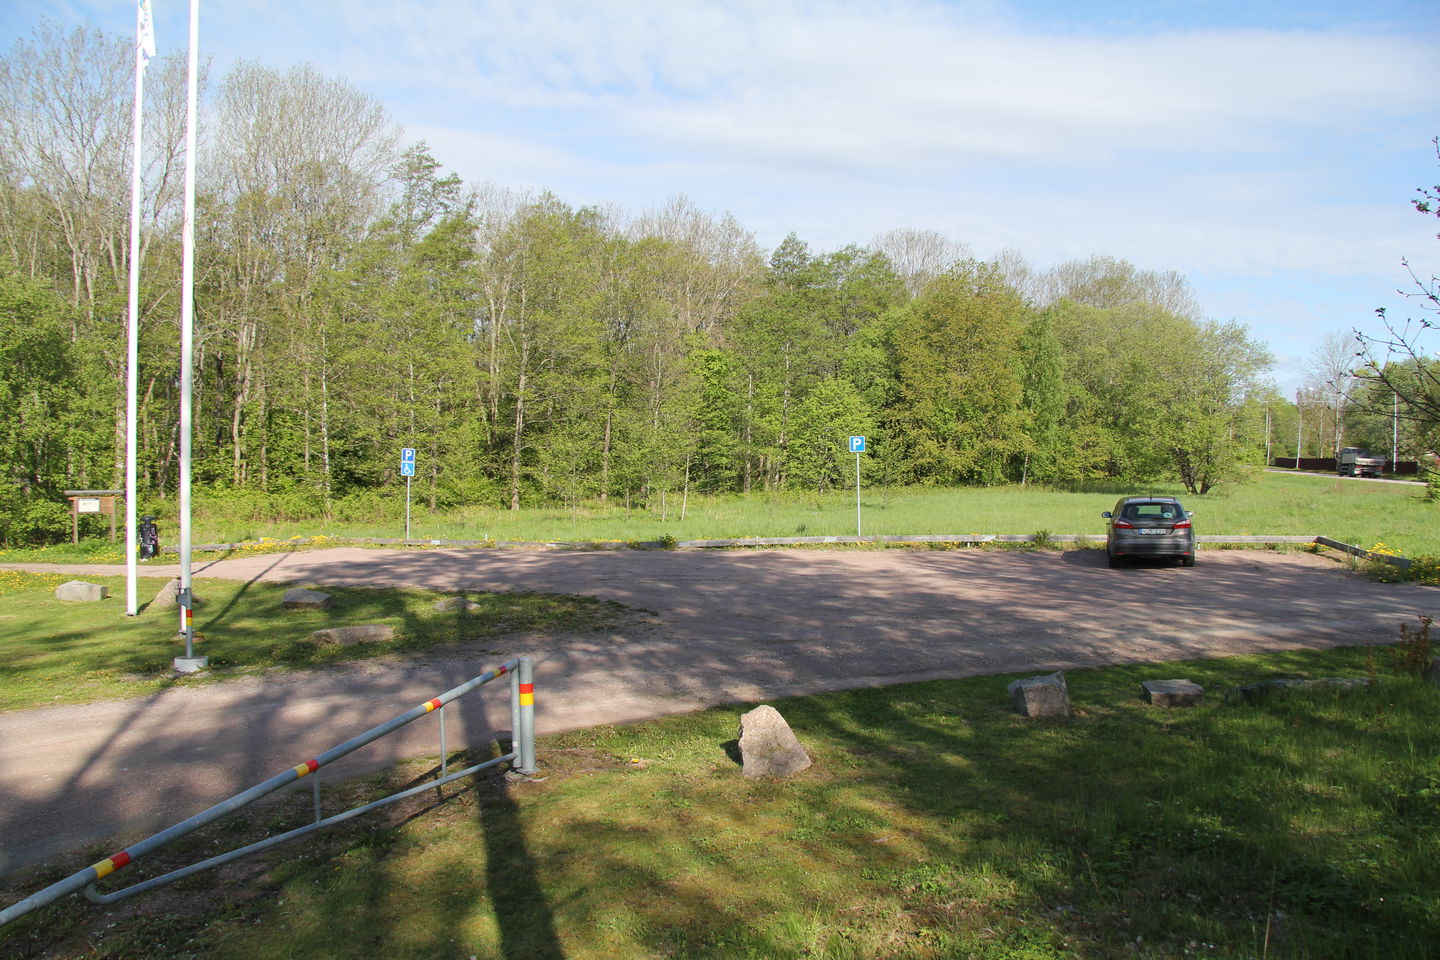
x=1151 y=511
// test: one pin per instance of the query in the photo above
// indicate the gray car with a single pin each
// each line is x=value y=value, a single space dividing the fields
x=1149 y=527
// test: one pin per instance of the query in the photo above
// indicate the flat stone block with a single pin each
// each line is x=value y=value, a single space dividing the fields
x=78 y=591
x=299 y=598
x=350 y=636
x=1042 y=696
x=1174 y=693
x=768 y=747
x=1268 y=688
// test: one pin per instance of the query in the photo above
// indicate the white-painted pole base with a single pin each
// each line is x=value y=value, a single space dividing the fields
x=190 y=664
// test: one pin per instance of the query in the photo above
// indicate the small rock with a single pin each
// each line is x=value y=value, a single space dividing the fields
x=455 y=604
x=78 y=591
x=301 y=599
x=768 y=747
x=1174 y=693
x=1041 y=696
x=169 y=596
x=350 y=636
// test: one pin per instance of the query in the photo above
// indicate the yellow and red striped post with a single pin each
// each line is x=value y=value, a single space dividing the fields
x=525 y=733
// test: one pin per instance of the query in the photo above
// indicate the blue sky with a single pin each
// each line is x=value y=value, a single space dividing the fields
x=1266 y=151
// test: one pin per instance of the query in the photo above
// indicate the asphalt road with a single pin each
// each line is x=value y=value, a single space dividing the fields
x=718 y=627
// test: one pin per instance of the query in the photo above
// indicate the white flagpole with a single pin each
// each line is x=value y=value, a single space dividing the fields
x=187 y=344
x=144 y=50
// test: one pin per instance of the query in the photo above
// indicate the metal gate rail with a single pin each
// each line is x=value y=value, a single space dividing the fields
x=522 y=713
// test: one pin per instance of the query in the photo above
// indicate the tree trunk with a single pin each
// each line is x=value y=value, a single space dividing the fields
x=516 y=444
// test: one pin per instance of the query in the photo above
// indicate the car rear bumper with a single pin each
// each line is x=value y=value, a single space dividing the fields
x=1152 y=547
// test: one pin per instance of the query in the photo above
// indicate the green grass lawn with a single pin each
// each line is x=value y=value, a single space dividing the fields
x=935 y=823
x=1356 y=512
x=52 y=651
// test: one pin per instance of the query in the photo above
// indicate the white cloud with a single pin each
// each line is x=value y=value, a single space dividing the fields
x=914 y=84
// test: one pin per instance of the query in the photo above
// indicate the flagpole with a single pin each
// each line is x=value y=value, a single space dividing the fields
x=144 y=49
x=187 y=348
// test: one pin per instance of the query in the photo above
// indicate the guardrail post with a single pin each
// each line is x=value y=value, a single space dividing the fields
x=525 y=732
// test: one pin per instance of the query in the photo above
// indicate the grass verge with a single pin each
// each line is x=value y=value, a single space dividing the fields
x=934 y=823
x=1358 y=512
x=58 y=652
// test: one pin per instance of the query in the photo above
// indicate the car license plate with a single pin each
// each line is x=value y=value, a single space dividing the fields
x=1153 y=531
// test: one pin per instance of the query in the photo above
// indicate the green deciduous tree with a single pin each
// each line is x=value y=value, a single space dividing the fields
x=958 y=352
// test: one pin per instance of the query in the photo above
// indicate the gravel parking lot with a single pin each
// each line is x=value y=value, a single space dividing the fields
x=718 y=627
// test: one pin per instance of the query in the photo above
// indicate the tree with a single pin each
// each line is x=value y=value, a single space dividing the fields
x=66 y=109
x=300 y=165
x=1042 y=399
x=1107 y=282
x=1211 y=422
x=919 y=256
x=1330 y=373
x=1415 y=378
x=45 y=445
x=957 y=347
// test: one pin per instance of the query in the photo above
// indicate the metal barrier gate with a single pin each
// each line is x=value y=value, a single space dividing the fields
x=522 y=753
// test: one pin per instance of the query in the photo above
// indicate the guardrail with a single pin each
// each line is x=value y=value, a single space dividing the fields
x=522 y=714
x=1402 y=562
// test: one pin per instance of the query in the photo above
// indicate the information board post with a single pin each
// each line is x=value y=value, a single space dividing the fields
x=407 y=470
x=857 y=447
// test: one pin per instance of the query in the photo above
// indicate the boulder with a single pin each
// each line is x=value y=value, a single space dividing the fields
x=301 y=599
x=1174 y=693
x=1041 y=696
x=350 y=636
x=169 y=594
x=1267 y=688
x=768 y=747
x=78 y=591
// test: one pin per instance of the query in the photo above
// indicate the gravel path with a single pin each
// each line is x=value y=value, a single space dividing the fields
x=719 y=627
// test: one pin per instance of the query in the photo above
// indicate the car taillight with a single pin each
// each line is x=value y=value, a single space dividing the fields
x=1124 y=525
x=1183 y=525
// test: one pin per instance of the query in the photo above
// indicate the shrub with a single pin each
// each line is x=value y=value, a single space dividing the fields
x=1411 y=655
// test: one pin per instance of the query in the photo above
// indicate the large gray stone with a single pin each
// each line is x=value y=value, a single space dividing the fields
x=350 y=636
x=299 y=598
x=1269 y=688
x=768 y=747
x=169 y=596
x=1041 y=696
x=78 y=591
x=1174 y=693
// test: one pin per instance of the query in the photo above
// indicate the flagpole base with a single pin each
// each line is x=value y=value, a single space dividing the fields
x=190 y=664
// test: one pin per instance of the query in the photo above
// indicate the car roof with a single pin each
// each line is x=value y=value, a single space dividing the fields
x=1149 y=500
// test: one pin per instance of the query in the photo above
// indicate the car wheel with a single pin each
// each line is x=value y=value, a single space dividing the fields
x=1187 y=561
x=1112 y=560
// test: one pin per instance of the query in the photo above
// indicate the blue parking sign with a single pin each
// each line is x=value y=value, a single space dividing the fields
x=857 y=444
x=407 y=454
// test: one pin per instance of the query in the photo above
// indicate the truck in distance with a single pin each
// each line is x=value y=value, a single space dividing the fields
x=1358 y=462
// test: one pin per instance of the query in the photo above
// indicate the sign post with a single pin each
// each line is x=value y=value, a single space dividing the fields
x=407 y=470
x=857 y=447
